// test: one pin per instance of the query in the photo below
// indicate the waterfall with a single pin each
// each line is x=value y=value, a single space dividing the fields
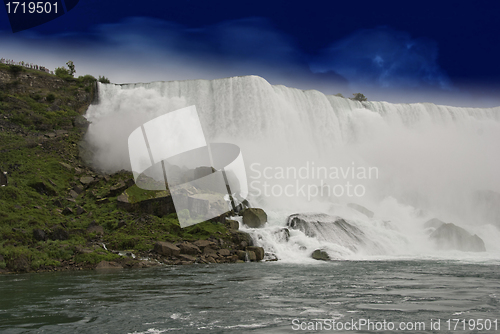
x=309 y=152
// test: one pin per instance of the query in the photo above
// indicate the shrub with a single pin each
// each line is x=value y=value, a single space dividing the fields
x=62 y=72
x=103 y=79
x=15 y=69
x=51 y=98
x=359 y=97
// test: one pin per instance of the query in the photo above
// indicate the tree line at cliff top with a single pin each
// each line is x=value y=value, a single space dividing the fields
x=68 y=73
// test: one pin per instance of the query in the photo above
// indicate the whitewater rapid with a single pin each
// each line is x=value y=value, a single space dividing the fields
x=430 y=161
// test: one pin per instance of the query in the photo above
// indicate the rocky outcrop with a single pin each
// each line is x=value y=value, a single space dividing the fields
x=433 y=223
x=160 y=206
x=254 y=217
x=332 y=229
x=448 y=236
x=166 y=248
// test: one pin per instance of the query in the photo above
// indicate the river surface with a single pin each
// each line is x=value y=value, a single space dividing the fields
x=270 y=297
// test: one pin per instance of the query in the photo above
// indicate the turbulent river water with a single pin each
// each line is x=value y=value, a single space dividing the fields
x=270 y=297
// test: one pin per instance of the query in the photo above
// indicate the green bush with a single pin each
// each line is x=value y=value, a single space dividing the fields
x=15 y=69
x=103 y=79
x=51 y=98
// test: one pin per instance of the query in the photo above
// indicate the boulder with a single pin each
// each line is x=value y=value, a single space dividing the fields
x=166 y=248
x=80 y=210
x=67 y=211
x=201 y=244
x=108 y=265
x=254 y=217
x=185 y=257
x=259 y=252
x=319 y=254
x=448 y=236
x=224 y=252
x=361 y=209
x=59 y=234
x=86 y=180
x=282 y=235
x=188 y=248
x=251 y=256
x=332 y=229
x=242 y=255
x=232 y=224
x=242 y=239
x=43 y=189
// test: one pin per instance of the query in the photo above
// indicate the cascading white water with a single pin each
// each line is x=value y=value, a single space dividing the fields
x=410 y=162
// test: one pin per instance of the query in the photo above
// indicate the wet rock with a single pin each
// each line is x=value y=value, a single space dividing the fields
x=241 y=239
x=282 y=235
x=251 y=256
x=39 y=235
x=361 y=209
x=448 y=236
x=108 y=265
x=259 y=252
x=433 y=223
x=166 y=248
x=254 y=217
x=319 y=254
x=232 y=224
x=242 y=255
x=332 y=229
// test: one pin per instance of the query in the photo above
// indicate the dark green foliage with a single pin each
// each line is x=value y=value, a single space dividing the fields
x=71 y=67
x=339 y=95
x=15 y=69
x=103 y=79
x=51 y=98
x=359 y=97
x=86 y=79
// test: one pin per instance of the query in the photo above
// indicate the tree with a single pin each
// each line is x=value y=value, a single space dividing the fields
x=339 y=95
x=71 y=67
x=359 y=97
x=62 y=72
x=103 y=79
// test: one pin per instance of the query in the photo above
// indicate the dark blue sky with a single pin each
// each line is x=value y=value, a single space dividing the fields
x=429 y=51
